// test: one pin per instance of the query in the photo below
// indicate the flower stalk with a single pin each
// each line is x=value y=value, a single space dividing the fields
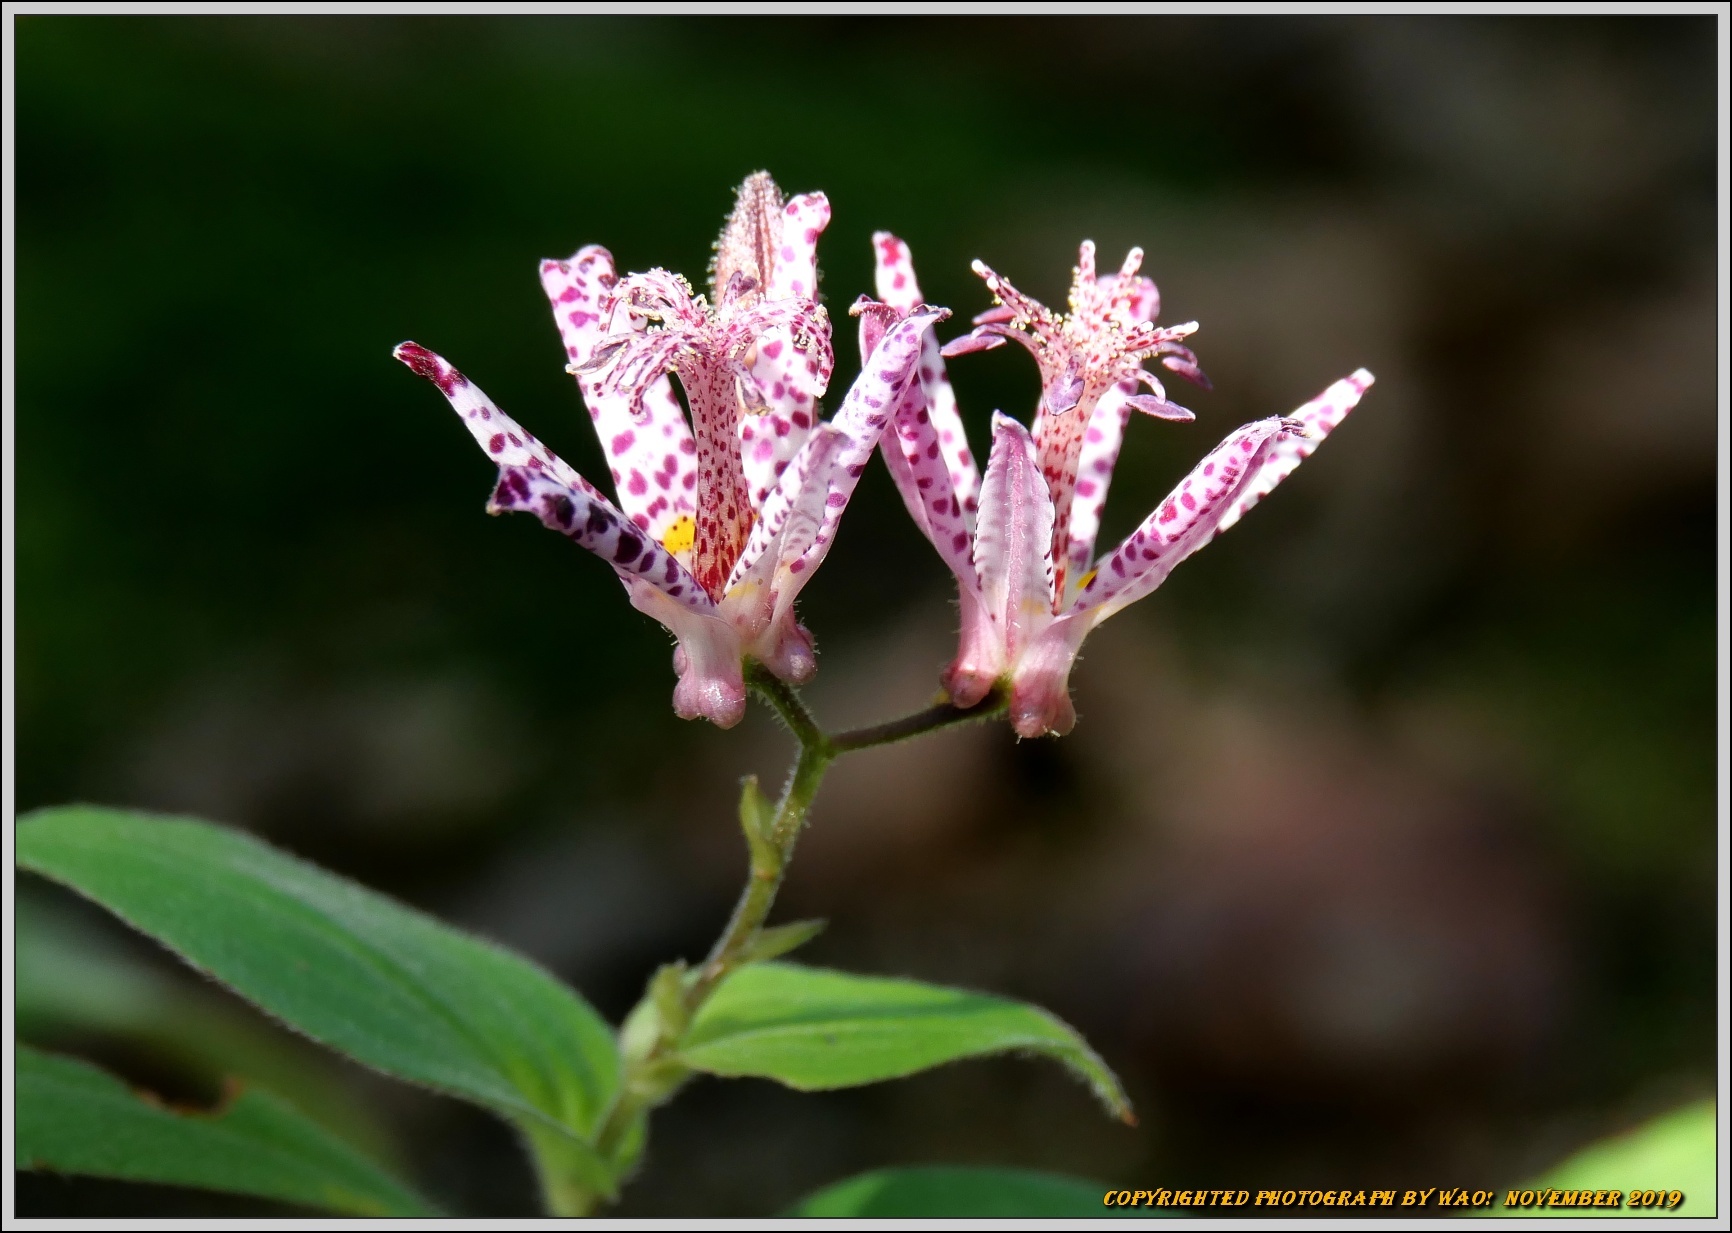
x=651 y=1034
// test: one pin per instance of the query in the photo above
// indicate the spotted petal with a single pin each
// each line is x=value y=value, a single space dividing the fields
x=593 y=523
x=651 y=454
x=898 y=288
x=802 y=515
x=501 y=437
x=794 y=270
x=912 y=454
x=1320 y=417
x=1182 y=523
x=1013 y=549
x=532 y=477
x=790 y=370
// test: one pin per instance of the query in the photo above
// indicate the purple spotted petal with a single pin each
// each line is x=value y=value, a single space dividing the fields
x=851 y=437
x=1319 y=418
x=651 y=455
x=916 y=464
x=898 y=288
x=787 y=381
x=1181 y=524
x=591 y=522
x=794 y=269
x=502 y=439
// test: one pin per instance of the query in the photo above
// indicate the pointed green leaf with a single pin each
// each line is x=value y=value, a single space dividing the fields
x=74 y=1118
x=389 y=986
x=779 y=940
x=813 y=1029
x=933 y=1192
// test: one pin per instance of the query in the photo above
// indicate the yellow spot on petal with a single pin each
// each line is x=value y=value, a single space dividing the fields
x=1082 y=584
x=681 y=535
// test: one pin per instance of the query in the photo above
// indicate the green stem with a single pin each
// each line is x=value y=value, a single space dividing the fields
x=652 y=1077
x=932 y=719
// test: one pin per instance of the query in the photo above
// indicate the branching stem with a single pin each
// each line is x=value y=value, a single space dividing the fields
x=645 y=1083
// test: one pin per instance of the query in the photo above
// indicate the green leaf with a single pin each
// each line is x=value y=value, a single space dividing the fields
x=387 y=985
x=814 y=1029
x=778 y=940
x=933 y=1192
x=73 y=1118
x=73 y=981
x=1673 y=1152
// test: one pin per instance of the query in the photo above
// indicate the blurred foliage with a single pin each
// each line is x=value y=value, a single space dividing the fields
x=254 y=581
x=1677 y=1152
x=892 y=1194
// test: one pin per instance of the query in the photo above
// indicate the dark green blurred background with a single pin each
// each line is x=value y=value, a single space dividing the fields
x=1383 y=853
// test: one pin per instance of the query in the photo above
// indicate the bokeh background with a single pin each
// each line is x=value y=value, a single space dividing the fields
x=1384 y=851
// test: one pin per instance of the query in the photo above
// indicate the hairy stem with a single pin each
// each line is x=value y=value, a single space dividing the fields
x=933 y=718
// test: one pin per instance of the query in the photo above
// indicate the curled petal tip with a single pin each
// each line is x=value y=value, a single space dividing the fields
x=1187 y=369
x=425 y=363
x=1160 y=408
x=979 y=340
x=1361 y=379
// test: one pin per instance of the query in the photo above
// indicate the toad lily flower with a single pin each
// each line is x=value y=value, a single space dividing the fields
x=720 y=522
x=1022 y=548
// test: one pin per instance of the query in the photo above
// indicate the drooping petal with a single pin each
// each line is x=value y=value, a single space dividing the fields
x=592 y=522
x=898 y=288
x=1013 y=546
x=1040 y=702
x=1181 y=524
x=502 y=439
x=1320 y=417
x=706 y=659
x=652 y=455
